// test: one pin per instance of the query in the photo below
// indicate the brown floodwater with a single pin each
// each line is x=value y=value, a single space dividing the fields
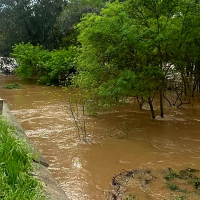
x=124 y=138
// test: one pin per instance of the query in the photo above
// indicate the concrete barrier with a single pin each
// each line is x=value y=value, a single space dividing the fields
x=1 y=106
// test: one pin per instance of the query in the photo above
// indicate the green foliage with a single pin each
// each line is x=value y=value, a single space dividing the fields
x=172 y=174
x=30 y=59
x=118 y=86
x=115 y=61
x=174 y=187
x=139 y=37
x=181 y=197
x=188 y=173
x=13 y=28
x=48 y=67
x=12 y=86
x=71 y=15
x=103 y=65
x=124 y=45
x=195 y=182
x=28 y=21
x=130 y=197
x=60 y=65
x=147 y=81
x=16 y=181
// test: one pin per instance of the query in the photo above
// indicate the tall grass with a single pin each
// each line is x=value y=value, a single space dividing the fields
x=16 y=181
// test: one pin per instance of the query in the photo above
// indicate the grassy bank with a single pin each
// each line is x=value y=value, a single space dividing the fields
x=16 y=179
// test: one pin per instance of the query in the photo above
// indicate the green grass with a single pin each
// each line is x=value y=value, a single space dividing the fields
x=12 y=86
x=16 y=181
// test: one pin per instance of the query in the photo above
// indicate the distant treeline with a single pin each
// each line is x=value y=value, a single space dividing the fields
x=44 y=22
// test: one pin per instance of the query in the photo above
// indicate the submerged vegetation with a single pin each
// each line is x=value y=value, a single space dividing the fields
x=16 y=181
x=12 y=86
x=144 y=180
x=188 y=176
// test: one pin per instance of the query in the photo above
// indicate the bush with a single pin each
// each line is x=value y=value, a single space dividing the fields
x=12 y=86
x=48 y=67
x=30 y=59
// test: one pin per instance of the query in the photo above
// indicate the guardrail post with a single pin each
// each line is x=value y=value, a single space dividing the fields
x=1 y=106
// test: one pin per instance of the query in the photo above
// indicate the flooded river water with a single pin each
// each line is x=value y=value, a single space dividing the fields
x=123 y=139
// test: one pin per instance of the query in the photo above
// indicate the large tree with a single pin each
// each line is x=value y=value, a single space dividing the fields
x=123 y=45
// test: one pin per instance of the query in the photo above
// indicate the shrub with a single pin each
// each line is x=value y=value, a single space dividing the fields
x=12 y=86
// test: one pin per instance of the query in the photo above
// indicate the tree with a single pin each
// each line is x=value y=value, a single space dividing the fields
x=157 y=25
x=59 y=66
x=186 y=51
x=133 y=40
x=113 y=55
x=28 y=21
x=71 y=15
x=42 y=24
x=14 y=17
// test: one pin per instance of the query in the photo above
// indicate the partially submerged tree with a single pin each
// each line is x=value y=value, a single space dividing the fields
x=134 y=40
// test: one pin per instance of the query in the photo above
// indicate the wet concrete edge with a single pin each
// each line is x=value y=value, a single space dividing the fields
x=50 y=186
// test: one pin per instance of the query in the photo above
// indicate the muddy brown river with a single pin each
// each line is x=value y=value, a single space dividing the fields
x=122 y=139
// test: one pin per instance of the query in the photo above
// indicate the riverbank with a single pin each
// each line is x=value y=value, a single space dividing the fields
x=40 y=170
x=16 y=178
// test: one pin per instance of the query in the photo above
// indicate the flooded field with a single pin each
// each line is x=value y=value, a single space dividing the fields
x=125 y=138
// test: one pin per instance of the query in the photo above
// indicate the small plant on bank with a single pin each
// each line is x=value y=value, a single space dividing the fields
x=16 y=181
x=12 y=86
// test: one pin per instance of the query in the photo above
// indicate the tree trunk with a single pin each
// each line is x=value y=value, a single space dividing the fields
x=151 y=108
x=140 y=103
x=161 y=90
x=161 y=104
